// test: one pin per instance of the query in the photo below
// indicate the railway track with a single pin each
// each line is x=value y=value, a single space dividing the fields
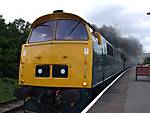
x=11 y=106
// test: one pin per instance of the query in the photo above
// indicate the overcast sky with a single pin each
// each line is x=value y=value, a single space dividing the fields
x=128 y=16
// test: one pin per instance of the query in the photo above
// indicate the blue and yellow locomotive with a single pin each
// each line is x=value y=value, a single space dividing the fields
x=62 y=61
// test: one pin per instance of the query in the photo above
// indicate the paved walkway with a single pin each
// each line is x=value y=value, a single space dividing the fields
x=125 y=96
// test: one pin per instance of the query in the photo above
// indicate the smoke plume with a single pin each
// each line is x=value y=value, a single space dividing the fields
x=129 y=45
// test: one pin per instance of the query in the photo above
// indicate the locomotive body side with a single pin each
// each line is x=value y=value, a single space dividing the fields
x=107 y=61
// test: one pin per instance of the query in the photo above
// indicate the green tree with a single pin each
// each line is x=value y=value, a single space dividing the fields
x=12 y=36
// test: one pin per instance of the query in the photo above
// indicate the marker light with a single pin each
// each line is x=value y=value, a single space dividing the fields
x=84 y=84
x=62 y=71
x=39 y=71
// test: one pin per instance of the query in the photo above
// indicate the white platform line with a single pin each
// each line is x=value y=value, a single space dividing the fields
x=100 y=95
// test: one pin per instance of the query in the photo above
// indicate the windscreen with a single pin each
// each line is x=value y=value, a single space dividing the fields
x=71 y=30
x=43 y=32
x=66 y=29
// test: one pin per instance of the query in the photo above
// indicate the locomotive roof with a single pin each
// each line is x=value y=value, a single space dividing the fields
x=59 y=15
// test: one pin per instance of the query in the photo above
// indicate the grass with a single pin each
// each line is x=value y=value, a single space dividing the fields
x=7 y=87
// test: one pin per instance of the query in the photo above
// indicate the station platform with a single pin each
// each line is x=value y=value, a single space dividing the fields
x=126 y=95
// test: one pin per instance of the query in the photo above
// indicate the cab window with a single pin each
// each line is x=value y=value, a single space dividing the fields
x=71 y=30
x=97 y=48
x=110 y=50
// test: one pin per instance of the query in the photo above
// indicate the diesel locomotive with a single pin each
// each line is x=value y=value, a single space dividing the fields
x=62 y=61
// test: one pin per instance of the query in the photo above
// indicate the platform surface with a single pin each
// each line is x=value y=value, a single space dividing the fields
x=125 y=96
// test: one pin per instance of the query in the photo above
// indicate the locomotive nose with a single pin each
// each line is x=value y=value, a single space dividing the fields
x=59 y=64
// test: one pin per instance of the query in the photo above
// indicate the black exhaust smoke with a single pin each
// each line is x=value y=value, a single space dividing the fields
x=129 y=45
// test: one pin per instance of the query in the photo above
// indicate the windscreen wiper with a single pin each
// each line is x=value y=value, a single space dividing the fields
x=44 y=25
x=73 y=28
